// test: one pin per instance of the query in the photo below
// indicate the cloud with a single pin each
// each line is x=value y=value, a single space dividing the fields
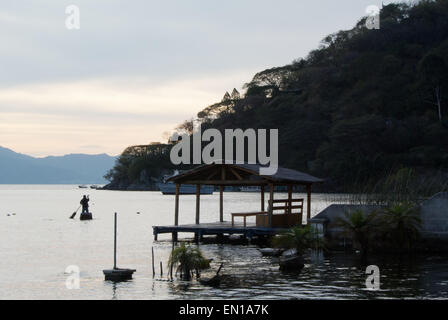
x=136 y=69
x=52 y=118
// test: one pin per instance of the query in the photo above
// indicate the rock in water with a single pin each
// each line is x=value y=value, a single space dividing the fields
x=289 y=253
x=212 y=282
x=291 y=262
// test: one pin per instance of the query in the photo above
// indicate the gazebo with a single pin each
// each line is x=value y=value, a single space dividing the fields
x=222 y=175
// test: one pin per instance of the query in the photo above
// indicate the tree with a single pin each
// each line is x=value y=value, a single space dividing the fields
x=235 y=95
x=226 y=97
x=360 y=226
x=401 y=223
x=186 y=127
x=299 y=238
x=434 y=72
x=188 y=259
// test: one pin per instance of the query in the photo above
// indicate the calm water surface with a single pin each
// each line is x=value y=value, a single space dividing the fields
x=40 y=241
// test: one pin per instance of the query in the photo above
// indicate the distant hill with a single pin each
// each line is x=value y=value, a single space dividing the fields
x=17 y=168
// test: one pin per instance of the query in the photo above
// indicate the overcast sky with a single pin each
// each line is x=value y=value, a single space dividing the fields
x=135 y=69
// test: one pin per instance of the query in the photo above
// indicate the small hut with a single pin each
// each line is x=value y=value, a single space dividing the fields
x=280 y=214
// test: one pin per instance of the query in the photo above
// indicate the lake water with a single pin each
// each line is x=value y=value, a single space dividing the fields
x=38 y=242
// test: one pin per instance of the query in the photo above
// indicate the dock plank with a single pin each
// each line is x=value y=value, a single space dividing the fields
x=218 y=228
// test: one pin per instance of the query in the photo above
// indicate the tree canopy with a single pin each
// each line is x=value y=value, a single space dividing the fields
x=362 y=103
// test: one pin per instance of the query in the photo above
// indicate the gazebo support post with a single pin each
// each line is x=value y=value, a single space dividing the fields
x=176 y=211
x=262 y=198
x=198 y=203
x=221 y=203
x=289 y=198
x=271 y=199
x=308 y=203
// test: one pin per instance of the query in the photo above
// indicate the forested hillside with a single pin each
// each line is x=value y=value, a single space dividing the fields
x=365 y=103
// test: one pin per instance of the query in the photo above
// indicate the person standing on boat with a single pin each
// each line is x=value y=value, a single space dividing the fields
x=85 y=204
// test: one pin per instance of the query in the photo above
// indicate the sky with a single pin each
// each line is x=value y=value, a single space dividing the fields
x=136 y=69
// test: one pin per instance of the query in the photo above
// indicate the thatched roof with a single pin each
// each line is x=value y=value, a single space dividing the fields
x=241 y=174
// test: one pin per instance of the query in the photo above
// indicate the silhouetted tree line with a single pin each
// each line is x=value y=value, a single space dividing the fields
x=363 y=103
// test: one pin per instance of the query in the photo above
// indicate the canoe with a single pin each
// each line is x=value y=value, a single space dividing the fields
x=86 y=216
x=291 y=263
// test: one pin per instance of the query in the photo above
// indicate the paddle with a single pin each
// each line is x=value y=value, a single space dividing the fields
x=74 y=213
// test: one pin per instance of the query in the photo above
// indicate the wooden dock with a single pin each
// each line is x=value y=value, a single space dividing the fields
x=223 y=174
x=218 y=229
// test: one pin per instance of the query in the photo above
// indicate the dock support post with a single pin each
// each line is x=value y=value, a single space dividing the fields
x=308 y=203
x=271 y=203
x=262 y=198
x=221 y=203
x=171 y=265
x=198 y=201
x=176 y=212
x=289 y=198
x=249 y=236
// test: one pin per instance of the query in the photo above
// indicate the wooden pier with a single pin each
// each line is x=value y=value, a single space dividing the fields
x=218 y=229
x=268 y=223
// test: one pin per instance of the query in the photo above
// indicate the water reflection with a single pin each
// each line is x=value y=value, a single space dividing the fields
x=39 y=243
x=248 y=275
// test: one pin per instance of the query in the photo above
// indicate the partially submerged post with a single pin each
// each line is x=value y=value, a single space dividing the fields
x=117 y=274
x=161 y=269
x=153 y=268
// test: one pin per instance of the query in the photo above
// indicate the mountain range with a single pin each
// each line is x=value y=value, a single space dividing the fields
x=17 y=168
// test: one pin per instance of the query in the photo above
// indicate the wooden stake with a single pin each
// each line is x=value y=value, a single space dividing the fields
x=161 y=269
x=153 y=269
x=171 y=266
x=115 y=241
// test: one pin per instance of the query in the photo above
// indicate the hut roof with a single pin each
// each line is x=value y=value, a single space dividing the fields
x=241 y=174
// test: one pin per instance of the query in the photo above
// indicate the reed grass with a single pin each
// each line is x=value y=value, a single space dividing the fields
x=400 y=186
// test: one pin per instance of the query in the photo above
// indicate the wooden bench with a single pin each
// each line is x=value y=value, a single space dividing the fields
x=284 y=205
x=288 y=216
x=246 y=214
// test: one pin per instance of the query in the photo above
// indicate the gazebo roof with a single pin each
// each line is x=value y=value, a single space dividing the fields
x=241 y=174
